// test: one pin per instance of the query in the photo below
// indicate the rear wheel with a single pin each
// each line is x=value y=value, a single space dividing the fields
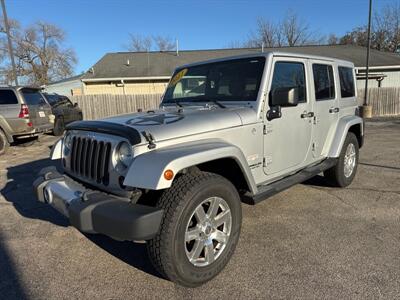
x=3 y=143
x=59 y=127
x=343 y=173
x=199 y=230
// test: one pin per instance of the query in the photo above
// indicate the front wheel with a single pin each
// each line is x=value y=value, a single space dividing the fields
x=200 y=228
x=59 y=127
x=343 y=173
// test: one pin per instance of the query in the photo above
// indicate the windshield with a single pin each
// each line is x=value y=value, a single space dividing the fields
x=231 y=80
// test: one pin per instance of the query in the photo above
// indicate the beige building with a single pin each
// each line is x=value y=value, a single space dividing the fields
x=149 y=72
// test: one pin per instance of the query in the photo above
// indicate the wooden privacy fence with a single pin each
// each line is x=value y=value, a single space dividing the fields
x=101 y=106
x=385 y=101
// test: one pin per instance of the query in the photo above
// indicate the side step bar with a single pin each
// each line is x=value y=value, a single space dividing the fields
x=271 y=189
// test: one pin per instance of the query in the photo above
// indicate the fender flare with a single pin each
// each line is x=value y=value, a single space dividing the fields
x=341 y=132
x=6 y=129
x=146 y=171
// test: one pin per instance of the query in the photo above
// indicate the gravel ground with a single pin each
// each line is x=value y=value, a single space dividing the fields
x=311 y=241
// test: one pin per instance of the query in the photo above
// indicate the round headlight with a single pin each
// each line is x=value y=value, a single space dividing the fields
x=125 y=154
x=68 y=140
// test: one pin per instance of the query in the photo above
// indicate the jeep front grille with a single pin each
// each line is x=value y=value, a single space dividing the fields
x=90 y=159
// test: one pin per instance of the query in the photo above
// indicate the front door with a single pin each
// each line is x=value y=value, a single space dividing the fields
x=287 y=139
x=326 y=108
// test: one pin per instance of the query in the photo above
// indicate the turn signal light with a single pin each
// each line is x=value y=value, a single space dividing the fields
x=168 y=174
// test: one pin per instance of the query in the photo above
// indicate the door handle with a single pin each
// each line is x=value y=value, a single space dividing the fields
x=334 y=110
x=307 y=115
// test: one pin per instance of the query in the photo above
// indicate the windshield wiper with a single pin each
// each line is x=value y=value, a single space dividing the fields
x=206 y=99
x=217 y=102
x=177 y=103
x=194 y=99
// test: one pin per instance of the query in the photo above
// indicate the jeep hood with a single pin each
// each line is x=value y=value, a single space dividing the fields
x=171 y=123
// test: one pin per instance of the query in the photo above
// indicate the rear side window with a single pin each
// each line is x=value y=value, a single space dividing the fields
x=8 y=97
x=290 y=75
x=346 y=82
x=324 y=83
x=32 y=97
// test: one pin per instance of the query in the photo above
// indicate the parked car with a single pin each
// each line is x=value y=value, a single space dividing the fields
x=64 y=111
x=240 y=130
x=24 y=113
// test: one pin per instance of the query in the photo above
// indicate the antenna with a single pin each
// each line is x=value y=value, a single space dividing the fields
x=177 y=47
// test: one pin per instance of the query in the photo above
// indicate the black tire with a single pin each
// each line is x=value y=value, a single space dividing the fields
x=167 y=250
x=336 y=174
x=59 y=126
x=4 y=144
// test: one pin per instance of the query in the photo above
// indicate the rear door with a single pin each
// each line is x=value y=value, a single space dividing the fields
x=70 y=113
x=326 y=107
x=39 y=109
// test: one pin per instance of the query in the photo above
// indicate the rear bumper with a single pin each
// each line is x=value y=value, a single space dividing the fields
x=97 y=212
x=44 y=128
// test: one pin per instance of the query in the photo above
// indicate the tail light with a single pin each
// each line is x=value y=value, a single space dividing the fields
x=24 y=112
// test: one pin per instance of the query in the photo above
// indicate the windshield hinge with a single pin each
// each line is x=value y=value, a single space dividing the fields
x=150 y=139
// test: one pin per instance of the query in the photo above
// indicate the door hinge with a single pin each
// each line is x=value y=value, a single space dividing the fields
x=267 y=128
x=314 y=146
x=315 y=120
x=267 y=161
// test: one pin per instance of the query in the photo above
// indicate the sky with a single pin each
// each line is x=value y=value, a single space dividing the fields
x=95 y=27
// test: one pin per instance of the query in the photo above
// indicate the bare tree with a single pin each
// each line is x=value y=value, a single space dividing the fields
x=358 y=36
x=332 y=39
x=164 y=43
x=39 y=54
x=385 y=33
x=386 y=28
x=267 y=35
x=290 y=31
x=139 y=43
x=295 y=31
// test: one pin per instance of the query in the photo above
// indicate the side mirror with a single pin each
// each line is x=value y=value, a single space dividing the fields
x=284 y=96
x=75 y=104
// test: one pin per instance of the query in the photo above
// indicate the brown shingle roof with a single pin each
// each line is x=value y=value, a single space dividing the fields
x=154 y=64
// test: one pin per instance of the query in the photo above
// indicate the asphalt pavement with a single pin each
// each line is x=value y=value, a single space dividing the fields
x=310 y=241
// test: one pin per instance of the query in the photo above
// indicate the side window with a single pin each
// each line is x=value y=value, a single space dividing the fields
x=324 y=83
x=8 y=97
x=290 y=75
x=346 y=82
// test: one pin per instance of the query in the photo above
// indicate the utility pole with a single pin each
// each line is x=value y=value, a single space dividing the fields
x=10 y=49
x=368 y=47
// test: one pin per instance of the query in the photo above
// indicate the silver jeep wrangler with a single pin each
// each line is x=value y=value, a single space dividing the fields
x=232 y=130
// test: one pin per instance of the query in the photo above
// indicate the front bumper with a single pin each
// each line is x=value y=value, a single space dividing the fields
x=92 y=211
